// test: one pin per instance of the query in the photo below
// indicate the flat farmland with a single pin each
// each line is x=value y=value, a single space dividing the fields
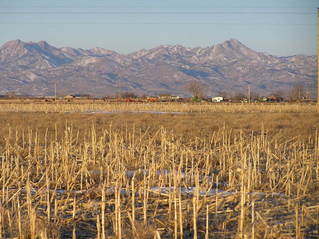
x=173 y=170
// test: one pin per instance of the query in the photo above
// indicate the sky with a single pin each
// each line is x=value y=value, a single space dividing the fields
x=278 y=27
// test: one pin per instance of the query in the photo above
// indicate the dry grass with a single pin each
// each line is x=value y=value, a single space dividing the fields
x=101 y=106
x=156 y=176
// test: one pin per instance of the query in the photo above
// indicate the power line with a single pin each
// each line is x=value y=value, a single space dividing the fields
x=163 y=7
x=156 y=23
x=159 y=12
x=138 y=8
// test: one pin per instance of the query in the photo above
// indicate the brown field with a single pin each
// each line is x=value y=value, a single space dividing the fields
x=198 y=171
x=87 y=106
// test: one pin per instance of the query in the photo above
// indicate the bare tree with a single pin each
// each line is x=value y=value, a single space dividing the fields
x=279 y=93
x=255 y=96
x=196 y=88
x=239 y=96
x=128 y=94
x=224 y=94
x=297 y=93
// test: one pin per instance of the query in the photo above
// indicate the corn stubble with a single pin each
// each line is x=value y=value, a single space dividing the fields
x=132 y=183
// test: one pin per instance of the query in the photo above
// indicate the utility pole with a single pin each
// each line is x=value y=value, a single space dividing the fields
x=55 y=91
x=118 y=93
x=318 y=60
x=249 y=100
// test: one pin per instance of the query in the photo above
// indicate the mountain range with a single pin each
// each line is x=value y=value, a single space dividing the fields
x=35 y=68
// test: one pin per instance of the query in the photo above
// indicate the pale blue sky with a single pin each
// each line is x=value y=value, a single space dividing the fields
x=279 y=27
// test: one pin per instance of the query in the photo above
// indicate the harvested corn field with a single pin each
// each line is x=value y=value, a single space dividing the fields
x=196 y=175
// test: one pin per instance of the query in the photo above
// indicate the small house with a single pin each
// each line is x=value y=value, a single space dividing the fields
x=82 y=96
x=217 y=99
x=68 y=97
x=168 y=98
x=273 y=98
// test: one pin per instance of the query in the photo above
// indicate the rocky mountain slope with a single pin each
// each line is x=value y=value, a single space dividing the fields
x=34 y=68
